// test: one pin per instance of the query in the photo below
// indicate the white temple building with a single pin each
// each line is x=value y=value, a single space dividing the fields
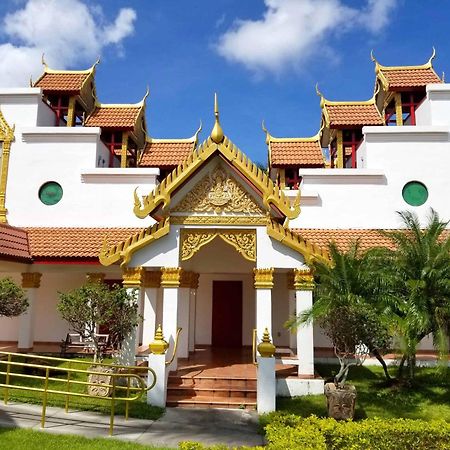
x=215 y=245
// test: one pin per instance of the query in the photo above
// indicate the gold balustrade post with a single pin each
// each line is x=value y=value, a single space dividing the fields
x=44 y=399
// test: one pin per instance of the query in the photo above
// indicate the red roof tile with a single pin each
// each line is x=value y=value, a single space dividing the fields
x=410 y=77
x=62 y=82
x=114 y=116
x=296 y=153
x=352 y=114
x=14 y=243
x=73 y=242
x=166 y=153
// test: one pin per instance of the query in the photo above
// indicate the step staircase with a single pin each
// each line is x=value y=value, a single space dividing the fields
x=211 y=391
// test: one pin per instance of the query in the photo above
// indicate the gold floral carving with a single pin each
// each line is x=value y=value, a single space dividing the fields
x=31 y=280
x=263 y=278
x=218 y=193
x=171 y=276
x=132 y=276
x=244 y=241
x=302 y=279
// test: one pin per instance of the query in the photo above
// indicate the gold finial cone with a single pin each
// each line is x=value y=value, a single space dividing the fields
x=217 y=133
x=159 y=345
x=265 y=348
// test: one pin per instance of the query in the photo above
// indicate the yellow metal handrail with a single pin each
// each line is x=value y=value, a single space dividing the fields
x=121 y=372
x=175 y=347
x=254 y=336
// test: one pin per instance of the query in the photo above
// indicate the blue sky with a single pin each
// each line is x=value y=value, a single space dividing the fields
x=263 y=57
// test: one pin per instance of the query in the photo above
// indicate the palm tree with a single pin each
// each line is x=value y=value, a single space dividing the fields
x=418 y=273
x=351 y=283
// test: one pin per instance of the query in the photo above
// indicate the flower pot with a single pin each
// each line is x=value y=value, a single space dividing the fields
x=340 y=401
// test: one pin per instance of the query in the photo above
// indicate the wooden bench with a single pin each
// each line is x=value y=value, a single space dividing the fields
x=83 y=343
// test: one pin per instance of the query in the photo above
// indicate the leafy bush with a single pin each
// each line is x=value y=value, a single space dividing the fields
x=13 y=300
x=291 y=432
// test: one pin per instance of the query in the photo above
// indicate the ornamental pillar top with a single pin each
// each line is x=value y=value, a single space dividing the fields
x=301 y=280
x=95 y=277
x=132 y=276
x=263 y=278
x=31 y=280
x=171 y=276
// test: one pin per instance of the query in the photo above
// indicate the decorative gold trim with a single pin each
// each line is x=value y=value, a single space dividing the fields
x=152 y=279
x=309 y=251
x=265 y=348
x=218 y=220
x=192 y=240
x=220 y=193
x=301 y=280
x=95 y=277
x=340 y=149
x=271 y=193
x=124 y=250
x=124 y=150
x=31 y=280
x=132 y=276
x=263 y=278
x=71 y=112
x=171 y=276
x=194 y=280
x=398 y=109
x=6 y=136
x=159 y=345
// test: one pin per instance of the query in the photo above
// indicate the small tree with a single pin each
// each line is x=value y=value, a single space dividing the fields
x=353 y=330
x=94 y=305
x=13 y=300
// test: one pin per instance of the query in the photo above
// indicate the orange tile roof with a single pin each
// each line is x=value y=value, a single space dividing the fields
x=62 y=82
x=73 y=242
x=114 y=116
x=409 y=77
x=343 y=238
x=14 y=243
x=353 y=114
x=159 y=153
x=303 y=153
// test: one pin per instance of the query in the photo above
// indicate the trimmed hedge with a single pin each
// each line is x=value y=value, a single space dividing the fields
x=290 y=432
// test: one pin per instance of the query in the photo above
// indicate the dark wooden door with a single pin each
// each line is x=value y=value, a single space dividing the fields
x=227 y=314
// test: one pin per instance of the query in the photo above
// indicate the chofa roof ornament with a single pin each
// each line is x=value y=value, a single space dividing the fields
x=217 y=135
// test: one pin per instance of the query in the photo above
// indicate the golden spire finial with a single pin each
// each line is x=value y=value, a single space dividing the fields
x=217 y=133
x=265 y=348
x=159 y=345
x=263 y=125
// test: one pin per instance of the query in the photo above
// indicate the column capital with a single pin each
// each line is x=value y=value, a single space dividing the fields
x=31 y=280
x=171 y=276
x=263 y=278
x=95 y=277
x=152 y=279
x=301 y=280
x=132 y=276
x=194 y=280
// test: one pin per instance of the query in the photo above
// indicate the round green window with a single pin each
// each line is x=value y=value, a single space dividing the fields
x=50 y=193
x=415 y=193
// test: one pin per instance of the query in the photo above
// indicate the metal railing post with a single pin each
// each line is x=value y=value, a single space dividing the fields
x=127 y=404
x=8 y=369
x=68 y=388
x=113 y=396
x=44 y=400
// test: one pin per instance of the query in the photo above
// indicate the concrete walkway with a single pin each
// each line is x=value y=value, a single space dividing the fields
x=208 y=426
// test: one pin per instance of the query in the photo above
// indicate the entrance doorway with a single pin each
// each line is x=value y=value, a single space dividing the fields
x=227 y=314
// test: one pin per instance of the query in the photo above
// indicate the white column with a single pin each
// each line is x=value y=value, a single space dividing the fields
x=183 y=320
x=193 y=310
x=152 y=282
x=132 y=279
x=292 y=312
x=170 y=282
x=158 y=394
x=304 y=285
x=263 y=282
x=266 y=385
x=31 y=283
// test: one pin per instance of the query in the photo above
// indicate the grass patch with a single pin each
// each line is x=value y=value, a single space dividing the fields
x=428 y=399
x=138 y=408
x=16 y=438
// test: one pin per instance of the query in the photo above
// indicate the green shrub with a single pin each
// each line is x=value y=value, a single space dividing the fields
x=292 y=432
x=188 y=445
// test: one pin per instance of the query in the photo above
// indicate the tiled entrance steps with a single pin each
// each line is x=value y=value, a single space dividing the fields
x=215 y=392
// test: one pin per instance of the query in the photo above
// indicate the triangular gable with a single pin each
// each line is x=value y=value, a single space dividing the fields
x=158 y=202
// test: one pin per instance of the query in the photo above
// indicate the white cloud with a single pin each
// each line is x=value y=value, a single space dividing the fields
x=292 y=30
x=67 y=31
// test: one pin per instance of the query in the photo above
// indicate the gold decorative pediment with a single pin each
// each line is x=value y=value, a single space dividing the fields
x=244 y=241
x=218 y=193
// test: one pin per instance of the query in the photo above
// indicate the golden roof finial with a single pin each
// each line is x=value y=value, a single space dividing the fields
x=433 y=55
x=43 y=61
x=263 y=125
x=197 y=133
x=322 y=99
x=217 y=133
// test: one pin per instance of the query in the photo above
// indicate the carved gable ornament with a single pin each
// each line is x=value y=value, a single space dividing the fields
x=218 y=193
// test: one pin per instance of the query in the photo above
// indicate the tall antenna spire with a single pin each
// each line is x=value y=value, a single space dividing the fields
x=217 y=133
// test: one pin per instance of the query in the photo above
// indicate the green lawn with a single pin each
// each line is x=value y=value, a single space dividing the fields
x=11 y=439
x=138 y=408
x=428 y=399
